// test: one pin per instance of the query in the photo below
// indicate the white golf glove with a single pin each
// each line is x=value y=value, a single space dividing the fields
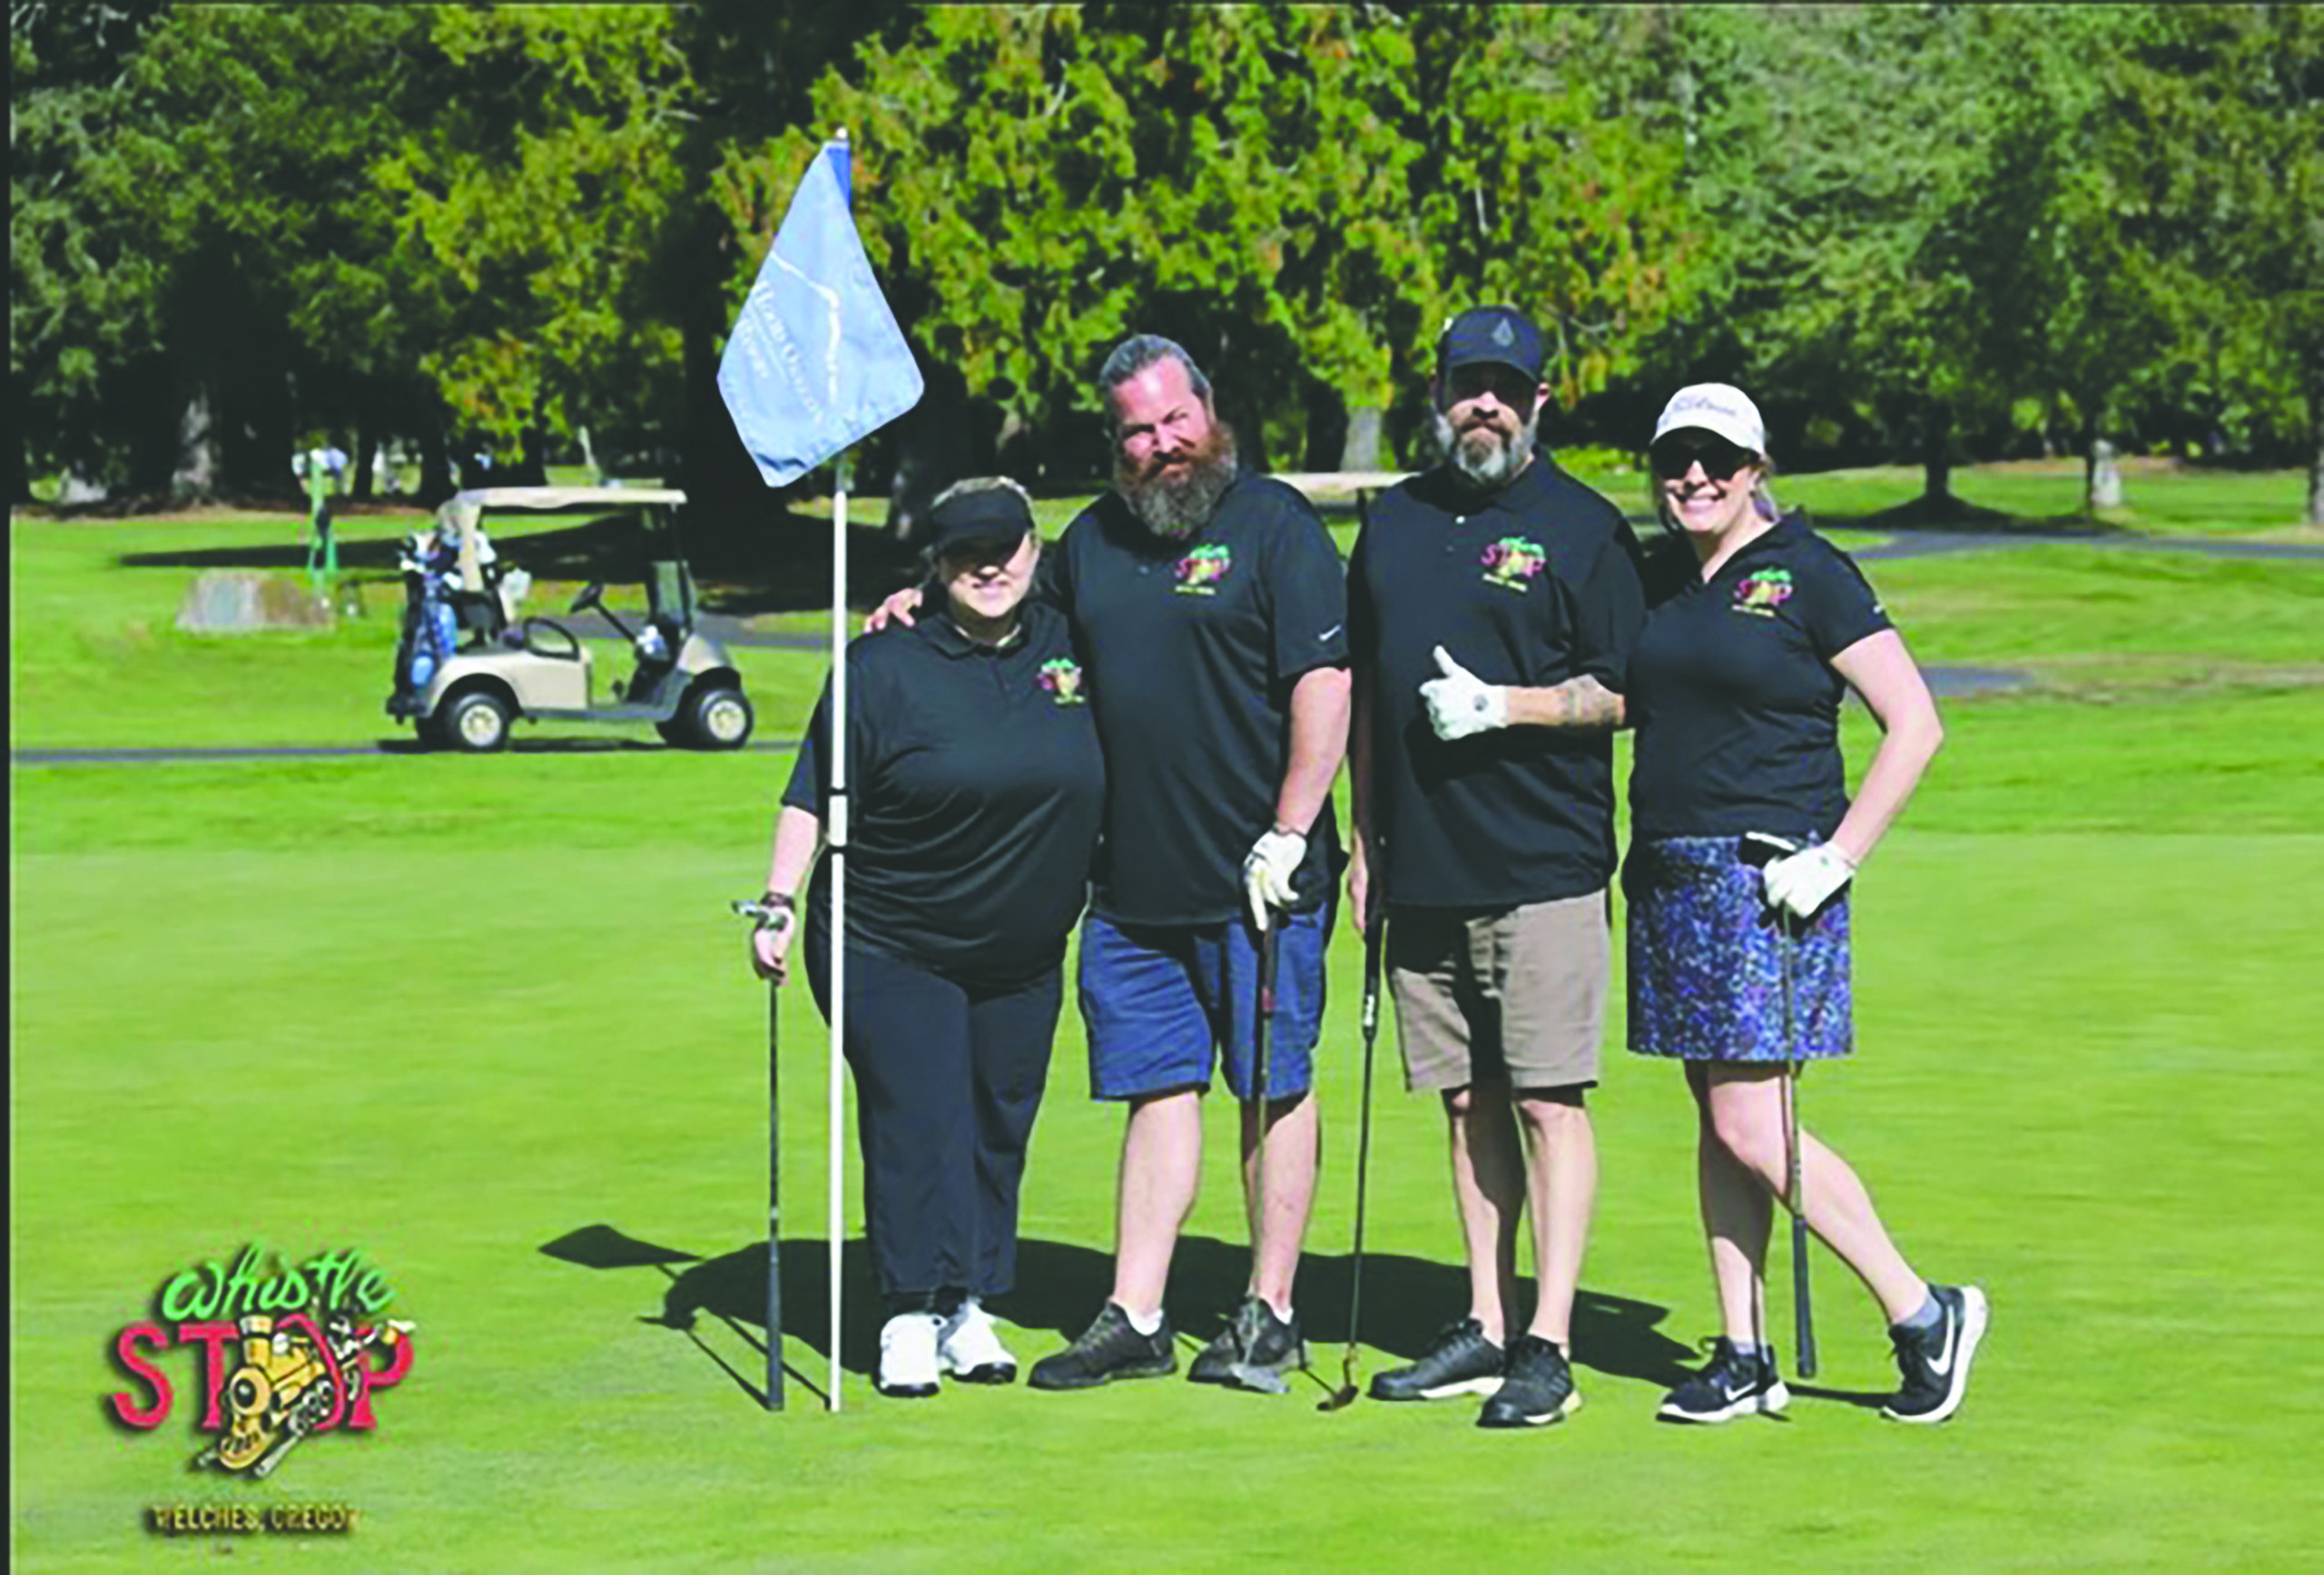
x=1460 y=703
x=1805 y=881
x=1268 y=870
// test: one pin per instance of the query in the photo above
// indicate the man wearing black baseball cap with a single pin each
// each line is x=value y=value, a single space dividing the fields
x=1492 y=603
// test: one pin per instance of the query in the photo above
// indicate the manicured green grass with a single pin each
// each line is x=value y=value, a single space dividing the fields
x=450 y=1009
x=2156 y=500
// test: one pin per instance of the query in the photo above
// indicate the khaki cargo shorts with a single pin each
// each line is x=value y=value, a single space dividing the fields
x=1514 y=994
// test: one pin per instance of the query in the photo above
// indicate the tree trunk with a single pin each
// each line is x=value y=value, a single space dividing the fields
x=2316 y=440
x=1936 y=451
x=1360 y=451
x=2105 y=477
x=435 y=462
x=366 y=441
x=197 y=466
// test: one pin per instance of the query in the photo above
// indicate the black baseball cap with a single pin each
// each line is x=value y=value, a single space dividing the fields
x=996 y=516
x=1498 y=335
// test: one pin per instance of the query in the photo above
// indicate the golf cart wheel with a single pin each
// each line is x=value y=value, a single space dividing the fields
x=717 y=716
x=477 y=722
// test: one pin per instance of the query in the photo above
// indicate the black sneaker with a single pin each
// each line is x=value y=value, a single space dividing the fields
x=1732 y=1385
x=1536 y=1387
x=1253 y=1352
x=1109 y=1349
x=1935 y=1362
x=1459 y=1360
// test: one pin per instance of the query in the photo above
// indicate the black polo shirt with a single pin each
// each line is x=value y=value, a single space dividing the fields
x=1193 y=646
x=1732 y=688
x=976 y=788
x=1530 y=585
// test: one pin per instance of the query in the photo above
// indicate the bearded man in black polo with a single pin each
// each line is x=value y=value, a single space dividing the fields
x=1493 y=603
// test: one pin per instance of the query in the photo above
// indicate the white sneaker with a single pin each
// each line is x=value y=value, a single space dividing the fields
x=908 y=1356
x=970 y=1346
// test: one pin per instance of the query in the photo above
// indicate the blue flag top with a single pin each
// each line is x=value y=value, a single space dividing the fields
x=816 y=362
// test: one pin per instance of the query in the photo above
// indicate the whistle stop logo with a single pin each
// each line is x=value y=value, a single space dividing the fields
x=1762 y=591
x=288 y=1351
x=1061 y=676
x=1512 y=561
x=1200 y=570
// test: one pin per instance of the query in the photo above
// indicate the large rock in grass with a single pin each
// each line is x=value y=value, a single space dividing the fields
x=243 y=601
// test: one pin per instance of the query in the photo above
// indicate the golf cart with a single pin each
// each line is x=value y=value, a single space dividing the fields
x=468 y=666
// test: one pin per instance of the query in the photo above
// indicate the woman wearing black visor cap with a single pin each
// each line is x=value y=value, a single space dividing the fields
x=975 y=789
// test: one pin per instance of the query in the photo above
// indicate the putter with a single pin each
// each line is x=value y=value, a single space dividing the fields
x=1269 y=953
x=757 y=911
x=1759 y=848
x=1345 y=1394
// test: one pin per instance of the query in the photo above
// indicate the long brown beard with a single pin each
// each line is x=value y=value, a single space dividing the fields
x=1176 y=507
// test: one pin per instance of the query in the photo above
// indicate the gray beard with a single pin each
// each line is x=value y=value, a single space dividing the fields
x=1486 y=466
x=1175 y=510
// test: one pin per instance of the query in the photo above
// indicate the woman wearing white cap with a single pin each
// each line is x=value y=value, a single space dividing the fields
x=1743 y=845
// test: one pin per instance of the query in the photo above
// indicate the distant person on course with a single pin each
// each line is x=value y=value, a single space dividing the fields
x=977 y=788
x=1757 y=627
x=1210 y=608
x=1493 y=601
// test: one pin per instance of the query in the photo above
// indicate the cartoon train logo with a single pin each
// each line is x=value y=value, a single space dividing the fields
x=293 y=1381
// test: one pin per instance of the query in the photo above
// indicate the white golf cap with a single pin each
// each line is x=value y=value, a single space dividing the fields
x=1720 y=408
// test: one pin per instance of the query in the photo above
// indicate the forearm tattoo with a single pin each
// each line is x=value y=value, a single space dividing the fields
x=1584 y=702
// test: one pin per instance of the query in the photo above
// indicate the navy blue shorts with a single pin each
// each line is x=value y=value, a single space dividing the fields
x=1706 y=960
x=1161 y=1002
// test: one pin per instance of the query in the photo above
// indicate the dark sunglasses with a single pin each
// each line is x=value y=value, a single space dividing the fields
x=1720 y=460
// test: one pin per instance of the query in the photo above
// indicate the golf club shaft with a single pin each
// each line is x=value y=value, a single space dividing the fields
x=1261 y=1078
x=773 y=1198
x=1371 y=1024
x=1803 y=1315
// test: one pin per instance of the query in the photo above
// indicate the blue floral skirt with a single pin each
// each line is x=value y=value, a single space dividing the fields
x=1706 y=960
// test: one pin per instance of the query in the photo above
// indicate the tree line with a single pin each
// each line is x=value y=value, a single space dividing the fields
x=1924 y=233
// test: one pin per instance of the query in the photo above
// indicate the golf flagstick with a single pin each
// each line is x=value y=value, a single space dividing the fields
x=835 y=840
x=1346 y=1394
x=814 y=365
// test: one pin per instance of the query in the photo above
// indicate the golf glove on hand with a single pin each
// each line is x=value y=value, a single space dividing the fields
x=1268 y=870
x=1460 y=703
x=1806 y=880
x=771 y=941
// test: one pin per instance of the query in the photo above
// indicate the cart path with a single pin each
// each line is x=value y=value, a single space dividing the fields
x=1947 y=681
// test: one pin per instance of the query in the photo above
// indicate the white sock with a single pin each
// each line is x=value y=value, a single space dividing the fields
x=1149 y=1324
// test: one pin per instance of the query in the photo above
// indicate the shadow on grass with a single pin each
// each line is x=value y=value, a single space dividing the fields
x=1957 y=514
x=1060 y=1287
x=783 y=567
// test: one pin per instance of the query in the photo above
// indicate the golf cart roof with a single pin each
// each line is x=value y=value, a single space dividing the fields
x=550 y=499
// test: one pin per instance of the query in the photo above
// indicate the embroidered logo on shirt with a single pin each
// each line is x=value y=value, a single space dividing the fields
x=1061 y=676
x=1512 y=561
x=1762 y=591
x=1200 y=570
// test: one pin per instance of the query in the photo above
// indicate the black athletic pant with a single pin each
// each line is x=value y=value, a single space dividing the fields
x=948 y=1080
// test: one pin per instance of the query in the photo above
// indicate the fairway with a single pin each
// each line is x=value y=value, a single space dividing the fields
x=454 y=1012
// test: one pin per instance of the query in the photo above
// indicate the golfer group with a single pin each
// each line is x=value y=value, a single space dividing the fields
x=1135 y=729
